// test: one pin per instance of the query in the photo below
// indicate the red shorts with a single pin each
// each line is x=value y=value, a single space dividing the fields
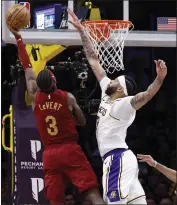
x=64 y=163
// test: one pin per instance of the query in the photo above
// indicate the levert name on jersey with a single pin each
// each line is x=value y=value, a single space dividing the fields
x=50 y=106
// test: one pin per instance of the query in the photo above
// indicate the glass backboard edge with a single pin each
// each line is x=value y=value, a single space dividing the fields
x=71 y=37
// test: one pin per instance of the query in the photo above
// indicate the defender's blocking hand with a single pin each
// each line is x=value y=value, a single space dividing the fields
x=75 y=21
x=161 y=69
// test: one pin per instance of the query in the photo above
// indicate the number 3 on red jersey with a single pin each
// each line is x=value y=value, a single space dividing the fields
x=52 y=129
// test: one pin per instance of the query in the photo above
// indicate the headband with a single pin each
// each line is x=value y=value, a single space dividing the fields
x=53 y=79
x=123 y=84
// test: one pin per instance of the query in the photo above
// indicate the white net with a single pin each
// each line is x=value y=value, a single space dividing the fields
x=108 y=41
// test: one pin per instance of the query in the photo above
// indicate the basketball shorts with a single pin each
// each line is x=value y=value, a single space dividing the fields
x=120 y=178
x=66 y=163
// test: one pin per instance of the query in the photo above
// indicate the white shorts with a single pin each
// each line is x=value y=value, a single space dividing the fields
x=120 y=178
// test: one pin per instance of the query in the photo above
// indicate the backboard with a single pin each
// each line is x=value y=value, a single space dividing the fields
x=144 y=34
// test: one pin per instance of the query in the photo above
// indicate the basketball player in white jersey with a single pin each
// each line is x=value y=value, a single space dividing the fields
x=116 y=113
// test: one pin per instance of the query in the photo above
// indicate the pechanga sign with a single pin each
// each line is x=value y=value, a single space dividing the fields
x=35 y=149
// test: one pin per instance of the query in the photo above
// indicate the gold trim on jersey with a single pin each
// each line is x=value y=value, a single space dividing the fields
x=131 y=200
x=106 y=101
x=114 y=117
x=122 y=196
x=103 y=97
x=105 y=186
x=111 y=115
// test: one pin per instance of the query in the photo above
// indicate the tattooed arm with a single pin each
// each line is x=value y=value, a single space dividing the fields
x=91 y=56
x=142 y=98
x=88 y=48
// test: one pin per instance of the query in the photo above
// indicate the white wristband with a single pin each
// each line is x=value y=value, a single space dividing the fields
x=155 y=163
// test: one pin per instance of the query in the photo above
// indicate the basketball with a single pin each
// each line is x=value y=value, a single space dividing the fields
x=17 y=17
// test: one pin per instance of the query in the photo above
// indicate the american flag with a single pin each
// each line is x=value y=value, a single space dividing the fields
x=166 y=23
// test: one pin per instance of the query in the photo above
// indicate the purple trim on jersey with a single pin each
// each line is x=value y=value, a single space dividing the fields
x=114 y=173
x=114 y=151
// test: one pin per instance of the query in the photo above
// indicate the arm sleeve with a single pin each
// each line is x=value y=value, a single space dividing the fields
x=103 y=84
x=23 y=56
x=122 y=108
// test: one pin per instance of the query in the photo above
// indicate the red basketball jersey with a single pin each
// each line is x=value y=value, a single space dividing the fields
x=54 y=120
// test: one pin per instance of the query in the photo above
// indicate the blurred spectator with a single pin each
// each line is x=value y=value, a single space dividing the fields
x=151 y=202
x=70 y=199
x=175 y=200
x=161 y=191
x=4 y=193
x=166 y=201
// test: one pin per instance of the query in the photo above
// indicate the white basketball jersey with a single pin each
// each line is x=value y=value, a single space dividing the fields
x=113 y=120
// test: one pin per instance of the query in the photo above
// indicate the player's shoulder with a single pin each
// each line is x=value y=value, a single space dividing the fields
x=127 y=98
x=71 y=99
x=123 y=101
x=60 y=93
x=70 y=96
x=122 y=108
x=39 y=95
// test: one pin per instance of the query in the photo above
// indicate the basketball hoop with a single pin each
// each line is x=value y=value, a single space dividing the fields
x=108 y=38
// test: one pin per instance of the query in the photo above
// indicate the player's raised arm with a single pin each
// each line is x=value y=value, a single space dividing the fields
x=88 y=48
x=169 y=173
x=142 y=98
x=78 y=114
x=26 y=64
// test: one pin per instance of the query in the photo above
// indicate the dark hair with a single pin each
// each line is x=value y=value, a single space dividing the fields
x=45 y=82
x=131 y=85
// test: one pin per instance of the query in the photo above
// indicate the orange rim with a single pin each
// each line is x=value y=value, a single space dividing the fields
x=112 y=23
x=101 y=32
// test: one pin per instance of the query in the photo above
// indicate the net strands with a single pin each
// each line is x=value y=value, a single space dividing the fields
x=108 y=42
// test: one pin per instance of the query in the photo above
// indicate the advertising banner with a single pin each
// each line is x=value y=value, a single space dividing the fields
x=29 y=183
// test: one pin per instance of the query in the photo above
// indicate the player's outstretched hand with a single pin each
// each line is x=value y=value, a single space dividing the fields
x=146 y=158
x=161 y=69
x=74 y=20
x=13 y=31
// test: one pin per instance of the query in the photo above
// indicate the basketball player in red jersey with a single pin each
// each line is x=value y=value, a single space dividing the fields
x=63 y=159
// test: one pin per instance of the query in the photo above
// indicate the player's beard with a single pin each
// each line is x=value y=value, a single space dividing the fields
x=110 y=90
